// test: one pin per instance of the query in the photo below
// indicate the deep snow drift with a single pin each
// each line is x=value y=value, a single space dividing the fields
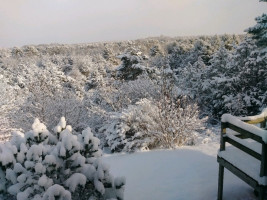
x=188 y=173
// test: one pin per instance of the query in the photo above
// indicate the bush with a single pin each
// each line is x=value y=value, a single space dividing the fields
x=131 y=92
x=127 y=131
x=147 y=124
x=41 y=165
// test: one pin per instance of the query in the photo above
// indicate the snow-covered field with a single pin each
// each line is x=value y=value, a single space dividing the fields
x=188 y=173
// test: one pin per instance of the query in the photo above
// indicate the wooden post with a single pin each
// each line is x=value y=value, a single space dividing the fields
x=220 y=182
x=263 y=160
x=263 y=124
x=223 y=132
x=261 y=193
x=221 y=168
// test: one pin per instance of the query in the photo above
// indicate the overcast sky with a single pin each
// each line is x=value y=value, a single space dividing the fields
x=77 y=21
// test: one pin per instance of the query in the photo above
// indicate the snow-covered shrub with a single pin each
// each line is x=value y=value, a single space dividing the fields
x=149 y=124
x=177 y=120
x=41 y=165
x=30 y=51
x=156 y=50
x=132 y=91
x=47 y=101
x=17 y=52
x=95 y=80
x=127 y=131
x=9 y=100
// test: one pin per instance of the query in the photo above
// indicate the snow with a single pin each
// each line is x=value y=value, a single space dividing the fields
x=50 y=159
x=251 y=128
x=11 y=175
x=24 y=195
x=18 y=168
x=263 y=114
x=89 y=171
x=6 y=154
x=120 y=181
x=34 y=152
x=22 y=178
x=15 y=189
x=120 y=186
x=37 y=128
x=69 y=141
x=187 y=173
x=39 y=168
x=57 y=190
x=22 y=153
x=99 y=186
x=29 y=164
x=17 y=138
x=75 y=180
x=62 y=123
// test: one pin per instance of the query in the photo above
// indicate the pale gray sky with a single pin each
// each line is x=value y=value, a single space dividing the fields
x=77 y=21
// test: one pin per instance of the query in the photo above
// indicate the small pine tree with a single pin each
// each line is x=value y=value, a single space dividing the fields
x=41 y=165
x=132 y=65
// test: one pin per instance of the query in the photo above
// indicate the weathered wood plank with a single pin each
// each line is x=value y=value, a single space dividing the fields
x=242 y=136
x=252 y=182
x=243 y=148
x=256 y=121
x=244 y=132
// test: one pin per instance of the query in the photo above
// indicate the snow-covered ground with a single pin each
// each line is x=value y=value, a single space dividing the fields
x=188 y=173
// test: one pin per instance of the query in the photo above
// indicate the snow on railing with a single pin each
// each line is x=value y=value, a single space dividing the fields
x=255 y=118
x=238 y=121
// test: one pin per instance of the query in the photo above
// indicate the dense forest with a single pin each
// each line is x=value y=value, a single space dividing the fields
x=133 y=94
x=115 y=97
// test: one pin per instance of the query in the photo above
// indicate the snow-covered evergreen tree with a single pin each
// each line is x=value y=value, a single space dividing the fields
x=215 y=71
x=239 y=86
x=155 y=50
x=60 y=165
x=259 y=31
x=191 y=77
x=132 y=64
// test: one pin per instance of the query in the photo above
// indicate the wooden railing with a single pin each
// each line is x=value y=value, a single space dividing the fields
x=244 y=128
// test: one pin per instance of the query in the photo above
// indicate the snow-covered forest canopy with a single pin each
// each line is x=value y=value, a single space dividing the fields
x=127 y=91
